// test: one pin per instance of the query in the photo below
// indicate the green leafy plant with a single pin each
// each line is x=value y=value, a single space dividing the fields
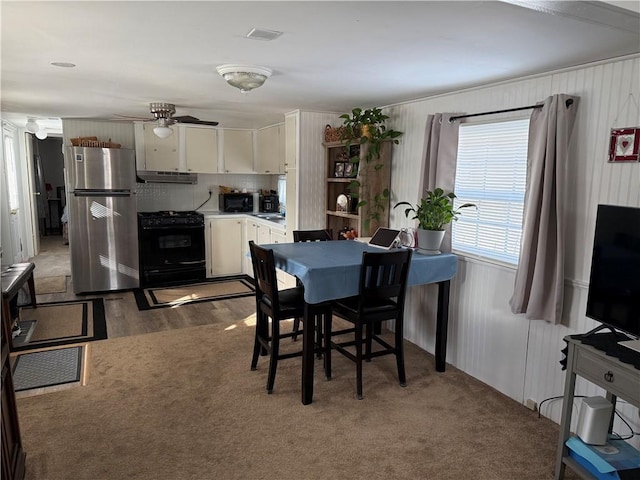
x=368 y=127
x=435 y=209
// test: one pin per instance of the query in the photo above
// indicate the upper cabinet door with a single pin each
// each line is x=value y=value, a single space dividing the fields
x=201 y=149
x=238 y=151
x=291 y=142
x=161 y=154
x=269 y=157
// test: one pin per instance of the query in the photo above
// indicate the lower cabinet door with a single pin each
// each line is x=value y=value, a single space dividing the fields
x=226 y=246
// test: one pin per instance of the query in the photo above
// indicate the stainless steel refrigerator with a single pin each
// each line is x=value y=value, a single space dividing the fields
x=103 y=230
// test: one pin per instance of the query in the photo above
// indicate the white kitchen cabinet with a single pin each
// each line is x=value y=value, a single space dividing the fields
x=225 y=250
x=270 y=152
x=262 y=233
x=160 y=154
x=250 y=234
x=201 y=149
x=278 y=237
x=190 y=149
x=284 y=279
x=291 y=141
x=237 y=151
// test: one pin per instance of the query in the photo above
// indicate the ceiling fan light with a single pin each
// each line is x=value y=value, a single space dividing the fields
x=244 y=77
x=41 y=134
x=163 y=131
x=32 y=126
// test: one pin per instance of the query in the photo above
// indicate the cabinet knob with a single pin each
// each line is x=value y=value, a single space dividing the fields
x=609 y=376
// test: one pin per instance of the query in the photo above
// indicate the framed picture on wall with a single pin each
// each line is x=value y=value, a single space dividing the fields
x=338 y=170
x=351 y=170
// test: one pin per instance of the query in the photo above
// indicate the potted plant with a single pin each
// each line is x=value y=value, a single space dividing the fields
x=434 y=211
x=368 y=127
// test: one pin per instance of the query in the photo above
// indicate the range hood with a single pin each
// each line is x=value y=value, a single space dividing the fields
x=167 y=177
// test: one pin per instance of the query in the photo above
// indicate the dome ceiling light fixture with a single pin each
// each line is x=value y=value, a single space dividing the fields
x=32 y=126
x=163 y=113
x=244 y=77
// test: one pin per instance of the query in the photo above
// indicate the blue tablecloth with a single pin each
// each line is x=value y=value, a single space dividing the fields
x=331 y=270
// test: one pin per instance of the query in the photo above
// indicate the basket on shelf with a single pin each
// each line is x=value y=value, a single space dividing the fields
x=93 y=142
x=76 y=142
x=332 y=134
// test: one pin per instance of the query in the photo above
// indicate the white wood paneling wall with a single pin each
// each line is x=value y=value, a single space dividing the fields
x=515 y=356
x=118 y=132
x=311 y=168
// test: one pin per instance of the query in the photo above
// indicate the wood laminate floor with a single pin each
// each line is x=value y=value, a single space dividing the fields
x=122 y=314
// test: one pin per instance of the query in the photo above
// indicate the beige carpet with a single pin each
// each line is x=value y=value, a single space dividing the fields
x=183 y=404
x=57 y=284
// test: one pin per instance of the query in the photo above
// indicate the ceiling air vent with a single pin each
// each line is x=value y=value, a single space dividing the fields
x=263 y=34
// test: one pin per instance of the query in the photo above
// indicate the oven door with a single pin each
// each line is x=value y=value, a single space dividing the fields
x=172 y=253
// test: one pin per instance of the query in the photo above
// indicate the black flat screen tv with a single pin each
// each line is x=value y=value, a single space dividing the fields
x=614 y=286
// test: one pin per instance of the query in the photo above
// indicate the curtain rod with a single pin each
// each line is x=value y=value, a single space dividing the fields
x=458 y=117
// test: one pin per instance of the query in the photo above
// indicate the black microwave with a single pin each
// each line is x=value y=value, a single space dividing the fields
x=235 y=202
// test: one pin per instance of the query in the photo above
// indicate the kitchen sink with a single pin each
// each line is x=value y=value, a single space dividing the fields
x=272 y=217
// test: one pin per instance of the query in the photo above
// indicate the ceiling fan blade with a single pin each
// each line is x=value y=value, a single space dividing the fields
x=193 y=120
x=131 y=117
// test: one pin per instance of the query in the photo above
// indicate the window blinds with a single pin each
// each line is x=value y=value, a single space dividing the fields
x=491 y=172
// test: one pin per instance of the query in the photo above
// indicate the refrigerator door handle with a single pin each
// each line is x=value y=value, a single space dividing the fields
x=102 y=193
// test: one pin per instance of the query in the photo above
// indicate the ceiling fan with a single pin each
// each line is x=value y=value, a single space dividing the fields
x=164 y=114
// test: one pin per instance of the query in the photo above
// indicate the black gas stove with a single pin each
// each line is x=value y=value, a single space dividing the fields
x=172 y=248
x=170 y=217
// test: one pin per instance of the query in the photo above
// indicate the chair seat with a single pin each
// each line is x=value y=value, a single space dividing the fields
x=291 y=302
x=349 y=306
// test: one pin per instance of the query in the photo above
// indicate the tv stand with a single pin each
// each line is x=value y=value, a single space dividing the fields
x=617 y=378
x=609 y=342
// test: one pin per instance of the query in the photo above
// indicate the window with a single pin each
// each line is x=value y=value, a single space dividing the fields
x=282 y=192
x=491 y=172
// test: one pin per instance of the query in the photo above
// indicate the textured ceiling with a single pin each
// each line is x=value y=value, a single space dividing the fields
x=332 y=56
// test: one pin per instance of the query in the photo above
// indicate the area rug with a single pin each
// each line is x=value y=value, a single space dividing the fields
x=61 y=323
x=47 y=368
x=178 y=295
x=57 y=284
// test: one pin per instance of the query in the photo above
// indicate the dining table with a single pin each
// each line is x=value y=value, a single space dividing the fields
x=331 y=270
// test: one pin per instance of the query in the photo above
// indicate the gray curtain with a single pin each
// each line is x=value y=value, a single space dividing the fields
x=440 y=155
x=539 y=283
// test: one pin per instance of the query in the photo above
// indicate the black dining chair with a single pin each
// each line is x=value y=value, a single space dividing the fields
x=382 y=287
x=310 y=236
x=275 y=305
x=313 y=235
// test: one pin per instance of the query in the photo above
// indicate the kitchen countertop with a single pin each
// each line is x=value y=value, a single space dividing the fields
x=271 y=218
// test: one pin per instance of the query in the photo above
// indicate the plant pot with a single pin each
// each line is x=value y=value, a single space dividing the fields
x=429 y=241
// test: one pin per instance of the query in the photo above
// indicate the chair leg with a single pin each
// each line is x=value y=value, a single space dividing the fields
x=296 y=328
x=359 y=360
x=318 y=321
x=327 y=345
x=400 y=353
x=370 y=332
x=257 y=346
x=275 y=351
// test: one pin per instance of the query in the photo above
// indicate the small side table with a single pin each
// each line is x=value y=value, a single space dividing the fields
x=13 y=278
x=617 y=378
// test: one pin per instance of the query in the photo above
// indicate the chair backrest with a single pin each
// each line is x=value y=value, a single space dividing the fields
x=264 y=275
x=312 y=235
x=383 y=276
